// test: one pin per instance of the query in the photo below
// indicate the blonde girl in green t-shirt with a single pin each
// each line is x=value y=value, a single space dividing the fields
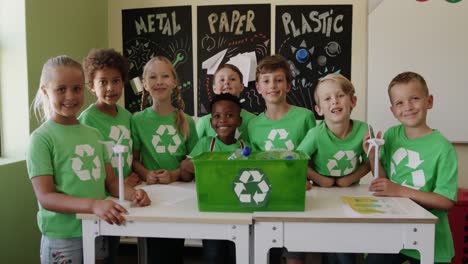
x=163 y=135
x=68 y=167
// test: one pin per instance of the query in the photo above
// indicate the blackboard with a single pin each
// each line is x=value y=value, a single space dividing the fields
x=160 y=31
x=316 y=41
x=230 y=30
x=429 y=38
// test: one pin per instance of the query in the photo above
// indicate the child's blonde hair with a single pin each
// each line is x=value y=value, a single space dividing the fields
x=41 y=105
x=180 y=119
x=272 y=63
x=345 y=84
x=406 y=77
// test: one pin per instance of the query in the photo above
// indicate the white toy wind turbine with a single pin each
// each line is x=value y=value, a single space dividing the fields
x=374 y=143
x=119 y=150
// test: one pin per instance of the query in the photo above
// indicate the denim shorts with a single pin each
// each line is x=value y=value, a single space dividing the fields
x=70 y=250
x=66 y=251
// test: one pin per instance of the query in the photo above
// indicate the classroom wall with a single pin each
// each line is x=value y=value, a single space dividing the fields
x=53 y=27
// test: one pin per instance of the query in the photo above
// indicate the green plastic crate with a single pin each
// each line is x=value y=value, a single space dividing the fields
x=249 y=185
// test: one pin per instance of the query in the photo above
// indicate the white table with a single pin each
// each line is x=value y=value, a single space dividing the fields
x=173 y=213
x=329 y=225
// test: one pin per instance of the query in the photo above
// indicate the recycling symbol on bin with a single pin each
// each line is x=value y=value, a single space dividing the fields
x=123 y=134
x=252 y=188
x=86 y=157
x=343 y=163
x=276 y=136
x=413 y=162
x=169 y=133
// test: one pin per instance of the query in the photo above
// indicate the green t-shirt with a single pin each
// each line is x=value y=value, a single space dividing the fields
x=161 y=146
x=204 y=126
x=73 y=156
x=331 y=155
x=428 y=164
x=286 y=133
x=204 y=145
x=113 y=129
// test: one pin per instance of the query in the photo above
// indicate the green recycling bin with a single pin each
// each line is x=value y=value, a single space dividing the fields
x=248 y=185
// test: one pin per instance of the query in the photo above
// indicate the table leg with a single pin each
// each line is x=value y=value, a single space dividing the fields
x=267 y=235
x=90 y=232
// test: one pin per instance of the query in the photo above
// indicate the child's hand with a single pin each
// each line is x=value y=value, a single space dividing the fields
x=344 y=181
x=140 y=198
x=384 y=187
x=308 y=185
x=133 y=180
x=152 y=177
x=164 y=176
x=109 y=211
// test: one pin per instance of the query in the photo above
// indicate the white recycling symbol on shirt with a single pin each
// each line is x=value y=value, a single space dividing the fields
x=118 y=133
x=418 y=177
x=332 y=164
x=282 y=134
x=252 y=196
x=77 y=163
x=171 y=131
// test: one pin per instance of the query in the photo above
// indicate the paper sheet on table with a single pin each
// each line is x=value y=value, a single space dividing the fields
x=366 y=205
x=173 y=195
x=212 y=64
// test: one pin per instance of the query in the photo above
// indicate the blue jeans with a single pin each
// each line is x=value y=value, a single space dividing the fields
x=63 y=251
x=165 y=250
x=218 y=251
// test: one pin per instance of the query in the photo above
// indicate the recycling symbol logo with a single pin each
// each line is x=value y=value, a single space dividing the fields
x=86 y=164
x=277 y=135
x=252 y=188
x=166 y=133
x=119 y=134
x=343 y=163
x=413 y=162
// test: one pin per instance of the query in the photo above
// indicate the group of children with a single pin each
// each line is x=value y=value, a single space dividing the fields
x=71 y=163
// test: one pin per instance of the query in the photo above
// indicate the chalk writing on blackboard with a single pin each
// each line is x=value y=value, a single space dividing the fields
x=316 y=41
x=164 y=31
x=232 y=34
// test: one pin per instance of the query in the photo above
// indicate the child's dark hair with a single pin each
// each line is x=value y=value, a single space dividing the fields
x=272 y=63
x=406 y=77
x=231 y=67
x=225 y=97
x=99 y=59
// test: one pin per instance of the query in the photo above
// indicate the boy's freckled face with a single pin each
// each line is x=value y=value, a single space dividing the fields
x=273 y=86
x=410 y=103
x=225 y=118
x=333 y=103
x=108 y=86
x=227 y=81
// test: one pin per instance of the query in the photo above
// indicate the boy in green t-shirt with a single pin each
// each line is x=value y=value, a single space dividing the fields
x=281 y=125
x=335 y=145
x=417 y=162
x=106 y=72
x=227 y=79
x=225 y=119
